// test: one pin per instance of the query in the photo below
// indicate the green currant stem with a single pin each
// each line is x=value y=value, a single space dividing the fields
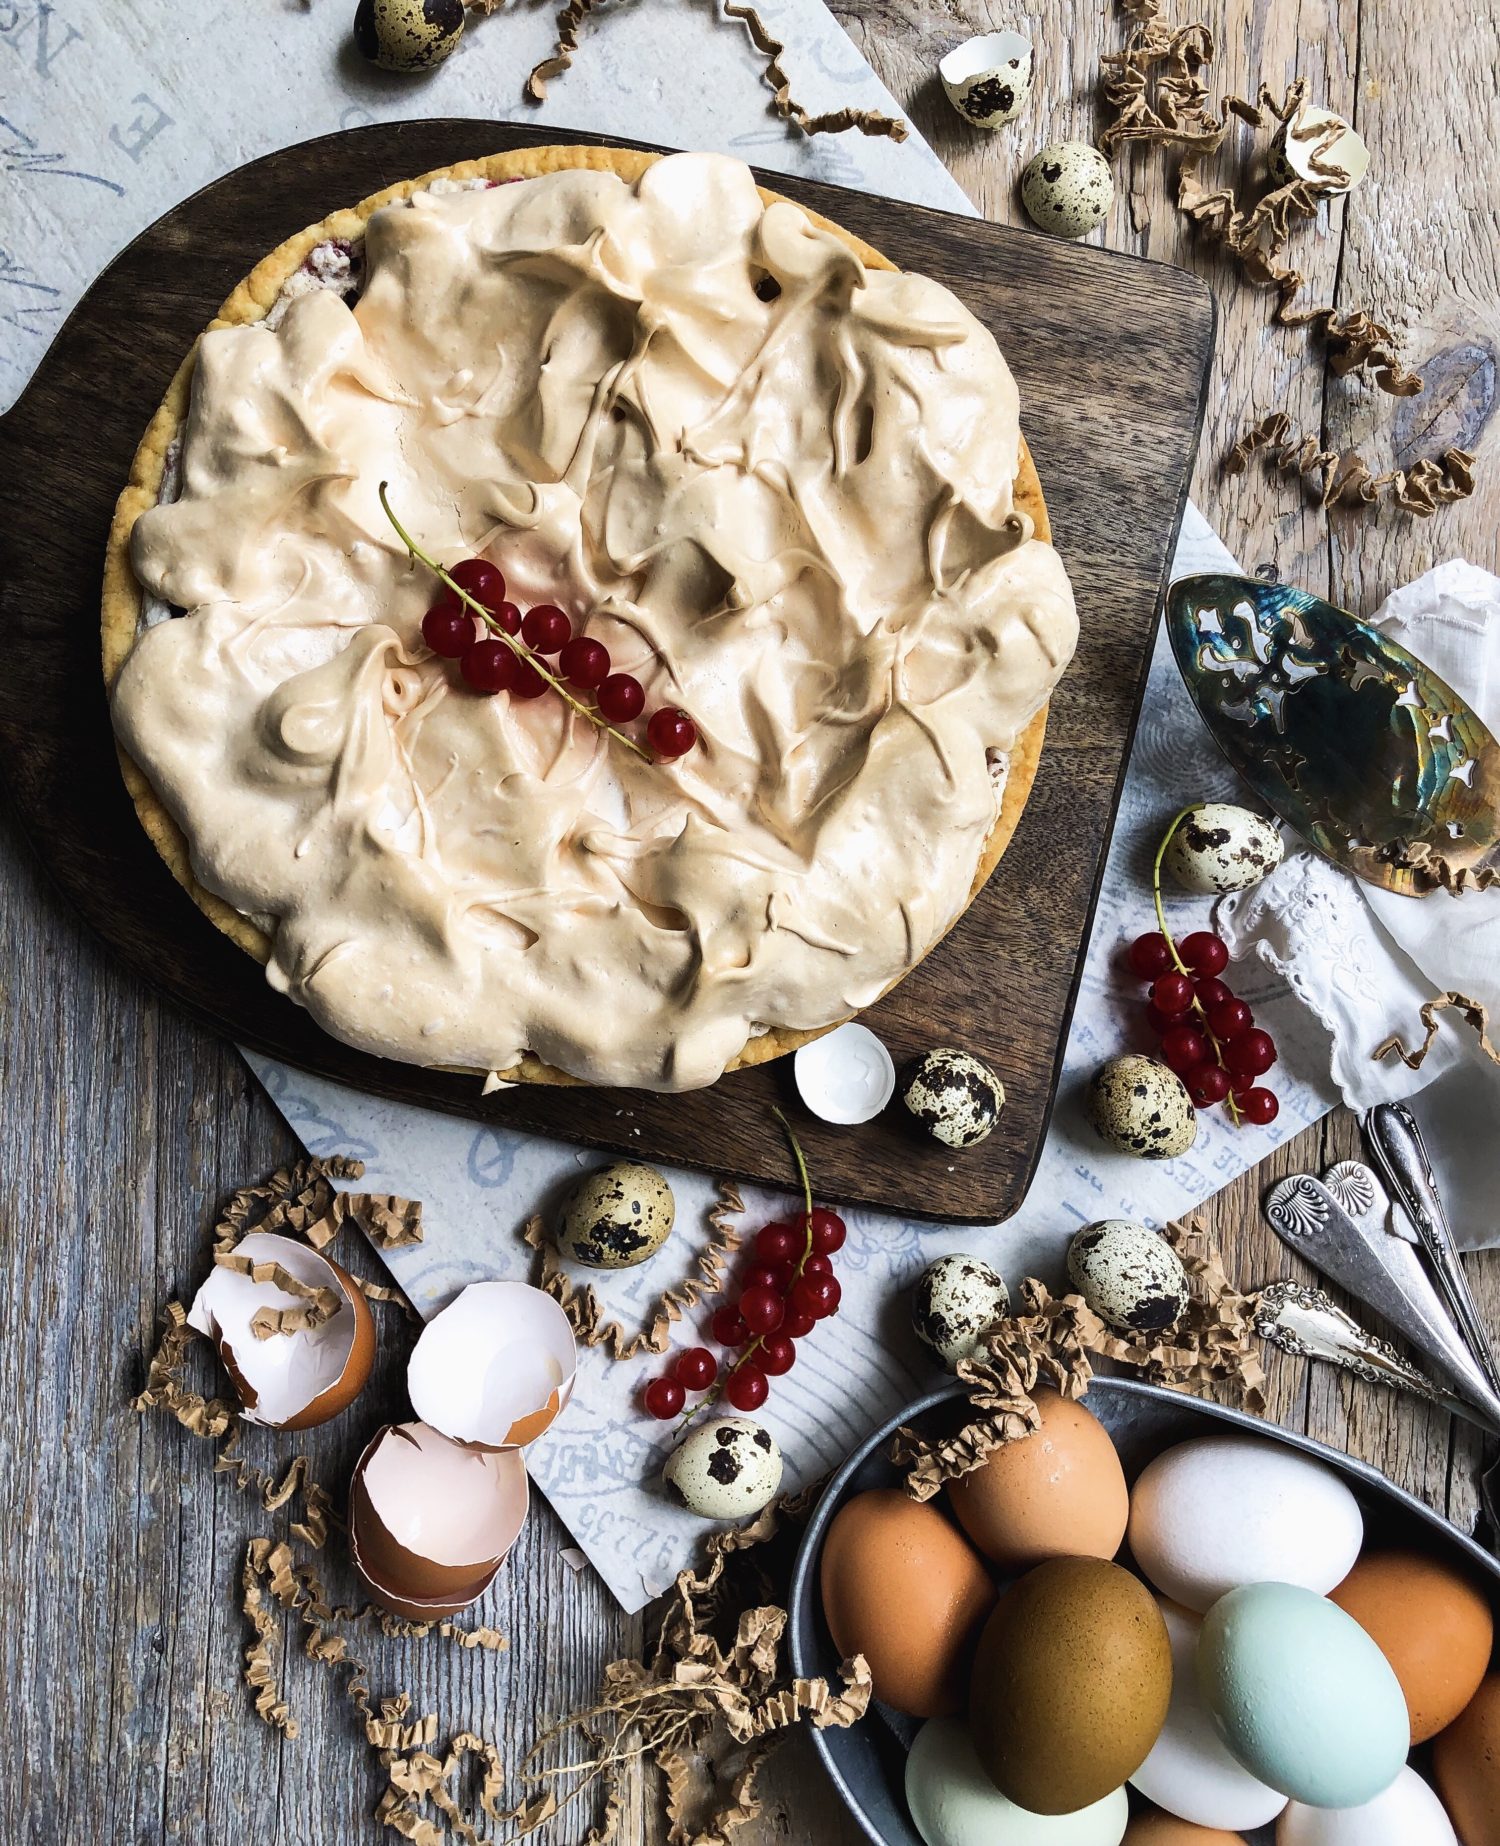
x=1181 y=965
x=518 y=648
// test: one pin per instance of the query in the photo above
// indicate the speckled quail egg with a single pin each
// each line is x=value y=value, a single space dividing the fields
x=728 y=1469
x=616 y=1217
x=954 y=1096
x=1129 y=1275
x=408 y=35
x=1219 y=847
x=1067 y=188
x=988 y=79
x=955 y=1299
x=1140 y=1107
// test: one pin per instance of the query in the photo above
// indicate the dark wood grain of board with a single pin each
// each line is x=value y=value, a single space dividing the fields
x=1111 y=355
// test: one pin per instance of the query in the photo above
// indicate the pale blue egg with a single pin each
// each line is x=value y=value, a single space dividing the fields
x=1302 y=1696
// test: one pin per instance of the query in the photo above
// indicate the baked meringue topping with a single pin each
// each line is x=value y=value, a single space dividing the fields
x=776 y=483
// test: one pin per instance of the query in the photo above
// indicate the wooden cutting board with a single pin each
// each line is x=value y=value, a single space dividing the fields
x=1111 y=354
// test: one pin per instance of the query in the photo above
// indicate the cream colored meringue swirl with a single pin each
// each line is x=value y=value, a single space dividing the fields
x=791 y=516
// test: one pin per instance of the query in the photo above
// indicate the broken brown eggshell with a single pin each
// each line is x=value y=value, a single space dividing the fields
x=495 y=1367
x=305 y=1375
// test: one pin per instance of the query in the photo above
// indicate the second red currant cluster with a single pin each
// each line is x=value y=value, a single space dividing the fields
x=1208 y=1036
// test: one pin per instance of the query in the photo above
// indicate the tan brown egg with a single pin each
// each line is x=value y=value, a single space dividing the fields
x=1466 y=1767
x=1057 y=1493
x=1070 y=1684
x=1432 y=1622
x=902 y=1586
x=1158 y=1829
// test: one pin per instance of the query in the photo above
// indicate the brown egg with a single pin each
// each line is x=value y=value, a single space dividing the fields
x=1058 y=1493
x=903 y=1587
x=1466 y=1767
x=1158 y=1829
x=1070 y=1684
x=1431 y=1621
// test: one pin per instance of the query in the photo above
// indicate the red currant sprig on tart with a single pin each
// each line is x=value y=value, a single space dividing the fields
x=510 y=654
x=1208 y=1037
x=788 y=1288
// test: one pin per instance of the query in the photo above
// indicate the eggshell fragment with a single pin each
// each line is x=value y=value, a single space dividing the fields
x=1320 y=148
x=1466 y=1767
x=1059 y=1492
x=296 y=1379
x=1407 y=1814
x=495 y=1367
x=1167 y=1830
x=988 y=79
x=846 y=1076
x=954 y=1803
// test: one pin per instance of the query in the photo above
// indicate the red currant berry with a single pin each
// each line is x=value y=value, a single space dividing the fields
x=828 y=1231
x=1250 y=1054
x=798 y=1323
x=747 y=1388
x=489 y=666
x=484 y=581
x=1211 y=991
x=448 y=629
x=832 y=1296
x=1159 y=1022
x=1204 y=952
x=1207 y=1084
x=776 y=1243
x=762 y=1309
x=506 y=616
x=584 y=663
x=777 y=1355
x=1172 y=995
x=664 y=1398
x=1182 y=1047
x=1259 y=1106
x=1149 y=956
x=758 y=1275
x=620 y=698
x=782 y=1276
x=670 y=732
x=695 y=1369
x=546 y=629
x=817 y=1265
x=727 y=1327
x=1229 y=1019
x=527 y=682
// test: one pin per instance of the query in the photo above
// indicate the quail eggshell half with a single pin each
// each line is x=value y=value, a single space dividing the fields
x=495 y=1367
x=728 y=1468
x=1302 y=1696
x=1220 y=847
x=1067 y=188
x=616 y=1216
x=408 y=35
x=1466 y=1767
x=1321 y=148
x=1070 y=1684
x=1129 y=1275
x=954 y=1803
x=1059 y=1492
x=1220 y=1511
x=988 y=79
x=954 y=1300
x=955 y=1096
x=1157 y=1829
x=903 y=1587
x=1407 y=1814
x=1140 y=1107
x=1190 y=1771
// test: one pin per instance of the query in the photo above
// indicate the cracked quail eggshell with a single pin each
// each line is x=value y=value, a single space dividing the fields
x=1129 y=1275
x=1068 y=188
x=954 y=1300
x=988 y=78
x=955 y=1096
x=1140 y=1107
x=293 y=1380
x=616 y=1217
x=495 y=1367
x=727 y=1469
x=1320 y=148
x=1220 y=847
x=408 y=35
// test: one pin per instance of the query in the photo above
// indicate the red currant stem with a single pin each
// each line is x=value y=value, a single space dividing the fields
x=1171 y=942
x=517 y=647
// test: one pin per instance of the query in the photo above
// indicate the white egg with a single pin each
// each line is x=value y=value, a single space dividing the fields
x=1129 y=1275
x=1219 y=847
x=1407 y=1814
x=1222 y=1511
x=955 y=1299
x=727 y=1469
x=954 y=1803
x=1190 y=1772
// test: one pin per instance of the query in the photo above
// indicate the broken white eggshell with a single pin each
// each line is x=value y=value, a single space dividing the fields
x=431 y=1521
x=291 y=1380
x=1321 y=149
x=847 y=1076
x=988 y=78
x=495 y=1367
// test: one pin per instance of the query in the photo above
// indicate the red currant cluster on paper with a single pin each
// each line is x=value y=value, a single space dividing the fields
x=1208 y=1037
x=788 y=1288
x=490 y=664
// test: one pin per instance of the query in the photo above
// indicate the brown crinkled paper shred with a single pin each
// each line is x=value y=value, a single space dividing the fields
x=1054 y=1340
x=1473 y=1014
x=1347 y=480
x=586 y=1313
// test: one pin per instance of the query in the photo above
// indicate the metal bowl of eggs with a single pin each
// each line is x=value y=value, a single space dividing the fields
x=1155 y=1622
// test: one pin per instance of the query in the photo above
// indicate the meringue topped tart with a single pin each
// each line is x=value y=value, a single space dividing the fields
x=780 y=482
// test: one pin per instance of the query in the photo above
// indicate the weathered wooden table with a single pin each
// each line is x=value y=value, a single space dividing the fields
x=120 y=1124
